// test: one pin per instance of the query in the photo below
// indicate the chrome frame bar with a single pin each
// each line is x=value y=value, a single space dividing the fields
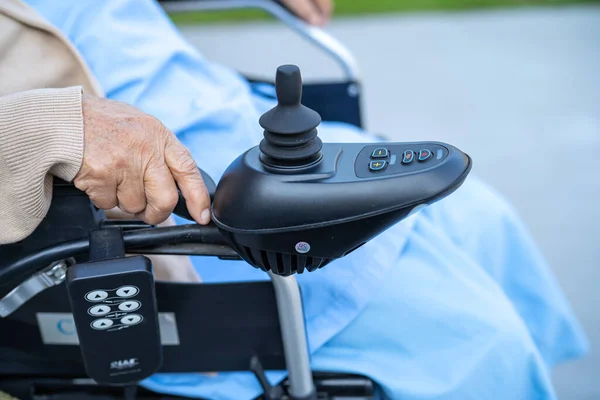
x=293 y=332
x=317 y=36
x=51 y=276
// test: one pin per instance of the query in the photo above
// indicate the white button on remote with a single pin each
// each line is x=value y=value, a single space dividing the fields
x=129 y=305
x=131 y=319
x=96 y=295
x=102 y=323
x=127 y=291
x=98 y=311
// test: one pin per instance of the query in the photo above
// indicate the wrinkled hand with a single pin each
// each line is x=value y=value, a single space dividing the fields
x=132 y=161
x=315 y=12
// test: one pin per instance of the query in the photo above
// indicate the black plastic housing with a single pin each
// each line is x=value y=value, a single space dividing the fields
x=289 y=223
x=131 y=349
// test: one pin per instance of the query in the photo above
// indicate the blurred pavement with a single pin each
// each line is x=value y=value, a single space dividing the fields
x=519 y=90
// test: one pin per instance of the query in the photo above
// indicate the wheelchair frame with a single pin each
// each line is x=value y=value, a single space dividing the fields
x=287 y=293
x=318 y=37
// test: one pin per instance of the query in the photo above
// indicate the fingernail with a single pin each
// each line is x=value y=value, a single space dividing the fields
x=205 y=216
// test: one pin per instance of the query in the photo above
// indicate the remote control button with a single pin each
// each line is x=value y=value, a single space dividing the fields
x=380 y=153
x=98 y=311
x=131 y=319
x=130 y=305
x=127 y=291
x=424 y=155
x=408 y=156
x=102 y=323
x=96 y=295
x=377 y=165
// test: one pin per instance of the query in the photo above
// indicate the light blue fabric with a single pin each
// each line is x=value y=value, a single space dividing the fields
x=453 y=303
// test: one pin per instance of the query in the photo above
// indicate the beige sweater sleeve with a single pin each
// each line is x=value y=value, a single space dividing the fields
x=41 y=135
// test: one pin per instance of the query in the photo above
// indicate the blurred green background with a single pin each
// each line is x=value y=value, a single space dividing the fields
x=362 y=7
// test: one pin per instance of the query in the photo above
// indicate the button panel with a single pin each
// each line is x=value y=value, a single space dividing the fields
x=115 y=306
x=398 y=158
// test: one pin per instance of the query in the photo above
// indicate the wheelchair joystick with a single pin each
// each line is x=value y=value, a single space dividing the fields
x=294 y=204
x=290 y=138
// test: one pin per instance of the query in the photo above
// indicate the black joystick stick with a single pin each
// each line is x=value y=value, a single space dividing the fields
x=291 y=141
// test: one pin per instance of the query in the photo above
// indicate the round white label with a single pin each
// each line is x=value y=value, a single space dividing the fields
x=302 y=247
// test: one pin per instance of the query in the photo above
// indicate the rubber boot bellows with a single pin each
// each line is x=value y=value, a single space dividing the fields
x=290 y=134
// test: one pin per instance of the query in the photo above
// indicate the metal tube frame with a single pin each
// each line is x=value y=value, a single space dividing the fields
x=293 y=332
x=316 y=36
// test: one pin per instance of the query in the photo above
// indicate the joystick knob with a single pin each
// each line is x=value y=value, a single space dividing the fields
x=290 y=134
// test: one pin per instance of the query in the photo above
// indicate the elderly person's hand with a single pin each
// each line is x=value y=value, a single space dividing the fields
x=132 y=161
x=315 y=12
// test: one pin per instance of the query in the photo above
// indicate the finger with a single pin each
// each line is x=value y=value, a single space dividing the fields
x=117 y=213
x=325 y=7
x=161 y=195
x=306 y=10
x=102 y=194
x=188 y=178
x=131 y=195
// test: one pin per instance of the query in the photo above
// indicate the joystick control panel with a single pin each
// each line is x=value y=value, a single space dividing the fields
x=294 y=203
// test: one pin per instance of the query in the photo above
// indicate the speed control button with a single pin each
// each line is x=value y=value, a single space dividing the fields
x=131 y=319
x=102 y=323
x=380 y=153
x=130 y=305
x=408 y=156
x=96 y=295
x=424 y=155
x=98 y=311
x=377 y=165
x=127 y=291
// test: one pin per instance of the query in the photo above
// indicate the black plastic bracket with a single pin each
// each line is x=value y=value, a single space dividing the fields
x=106 y=244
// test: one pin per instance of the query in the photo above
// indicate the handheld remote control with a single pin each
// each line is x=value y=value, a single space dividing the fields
x=115 y=312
